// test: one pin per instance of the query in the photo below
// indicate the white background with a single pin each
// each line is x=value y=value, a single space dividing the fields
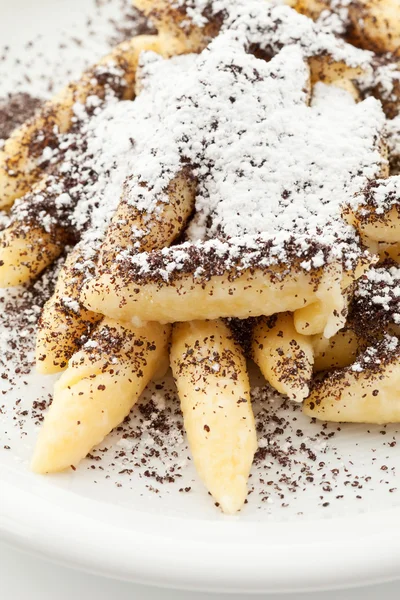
x=25 y=577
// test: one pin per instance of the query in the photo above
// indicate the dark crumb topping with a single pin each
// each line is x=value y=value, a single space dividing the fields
x=242 y=332
x=378 y=198
x=203 y=260
x=372 y=362
x=295 y=458
x=376 y=301
x=15 y=109
x=131 y=24
x=20 y=309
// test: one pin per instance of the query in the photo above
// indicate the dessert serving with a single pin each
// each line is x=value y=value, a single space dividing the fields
x=223 y=188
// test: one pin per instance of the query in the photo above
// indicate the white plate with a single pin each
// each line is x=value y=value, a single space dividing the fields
x=112 y=521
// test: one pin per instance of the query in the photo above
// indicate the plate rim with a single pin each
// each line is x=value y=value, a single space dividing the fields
x=82 y=533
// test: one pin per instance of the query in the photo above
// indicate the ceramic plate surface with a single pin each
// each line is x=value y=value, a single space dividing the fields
x=324 y=508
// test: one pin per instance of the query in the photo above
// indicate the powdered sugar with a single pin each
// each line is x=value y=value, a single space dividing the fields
x=279 y=25
x=195 y=10
x=89 y=167
x=271 y=170
x=335 y=17
x=386 y=76
x=381 y=195
x=274 y=25
x=377 y=296
x=375 y=357
x=71 y=304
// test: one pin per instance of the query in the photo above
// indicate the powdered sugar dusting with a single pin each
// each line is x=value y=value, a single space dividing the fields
x=274 y=25
x=377 y=356
x=88 y=168
x=376 y=301
x=271 y=170
x=335 y=17
x=381 y=195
